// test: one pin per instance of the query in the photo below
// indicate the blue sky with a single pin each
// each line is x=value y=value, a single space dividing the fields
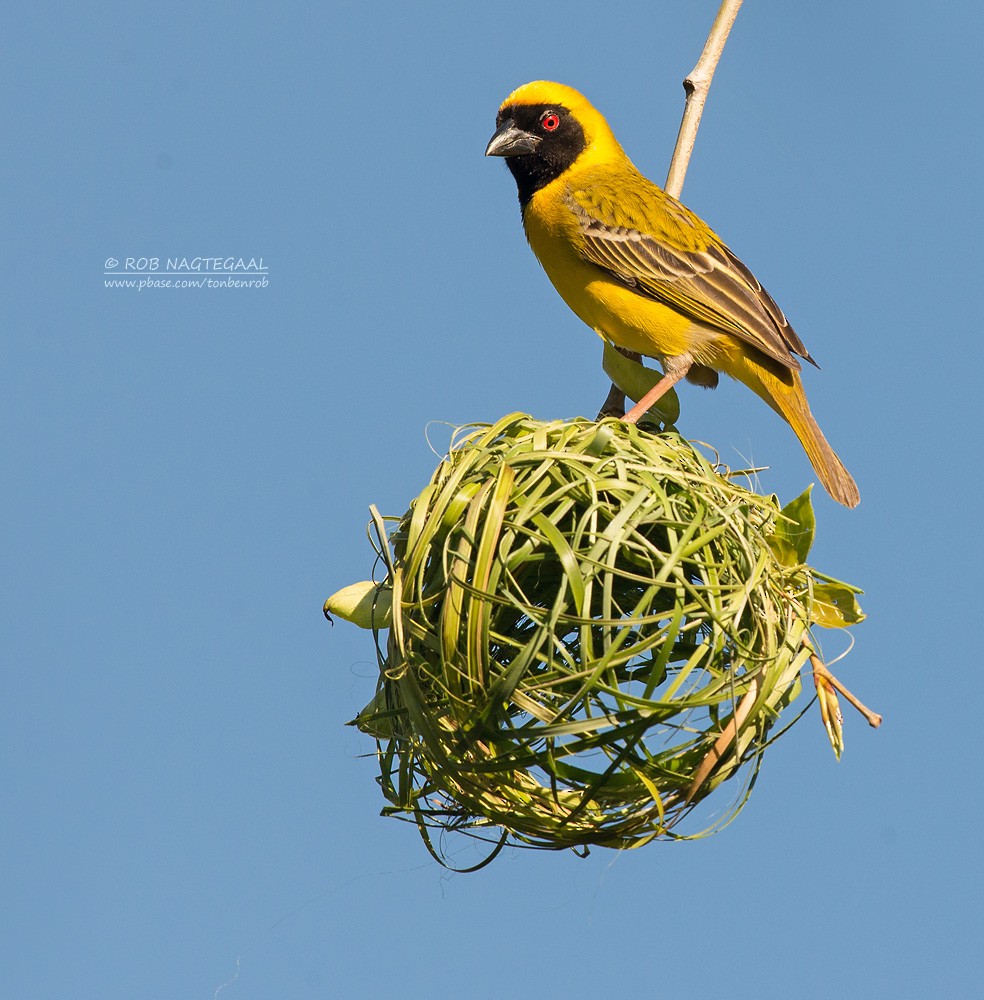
x=187 y=472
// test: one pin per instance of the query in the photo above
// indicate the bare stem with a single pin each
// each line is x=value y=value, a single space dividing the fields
x=873 y=718
x=724 y=741
x=697 y=84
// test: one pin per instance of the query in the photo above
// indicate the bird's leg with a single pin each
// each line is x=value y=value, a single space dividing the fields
x=614 y=405
x=674 y=369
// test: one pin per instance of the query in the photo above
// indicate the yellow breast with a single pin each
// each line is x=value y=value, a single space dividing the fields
x=609 y=307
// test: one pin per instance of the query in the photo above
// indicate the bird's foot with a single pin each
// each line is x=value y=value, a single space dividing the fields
x=614 y=405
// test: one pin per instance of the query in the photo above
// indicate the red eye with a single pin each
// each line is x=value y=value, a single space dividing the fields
x=550 y=121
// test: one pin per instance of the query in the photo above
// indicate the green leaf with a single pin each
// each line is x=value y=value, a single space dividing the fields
x=792 y=538
x=366 y=604
x=635 y=380
x=835 y=604
x=377 y=717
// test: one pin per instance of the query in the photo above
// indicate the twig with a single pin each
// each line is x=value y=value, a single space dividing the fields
x=819 y=669
x=724 y=741
x=697 y=84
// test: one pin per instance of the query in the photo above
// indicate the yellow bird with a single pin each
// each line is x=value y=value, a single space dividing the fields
x=645 y=272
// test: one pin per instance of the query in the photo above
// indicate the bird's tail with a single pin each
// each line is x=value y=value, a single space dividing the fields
x=783 y=391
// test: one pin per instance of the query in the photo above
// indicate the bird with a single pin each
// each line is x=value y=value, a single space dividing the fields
x=645 y=272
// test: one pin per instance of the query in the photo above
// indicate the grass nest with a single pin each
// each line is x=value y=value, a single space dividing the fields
x=583 y=630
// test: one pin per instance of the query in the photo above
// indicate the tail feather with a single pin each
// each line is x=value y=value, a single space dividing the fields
x=837 y=481
x=784 y=393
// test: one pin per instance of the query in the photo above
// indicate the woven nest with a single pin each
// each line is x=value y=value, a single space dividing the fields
x=584 y=629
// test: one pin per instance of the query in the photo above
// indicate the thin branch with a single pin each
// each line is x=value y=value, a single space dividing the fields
x=697 y=85
x=819 y=669
x=724 y=741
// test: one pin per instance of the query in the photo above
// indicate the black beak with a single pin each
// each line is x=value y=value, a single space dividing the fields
x=510 y=140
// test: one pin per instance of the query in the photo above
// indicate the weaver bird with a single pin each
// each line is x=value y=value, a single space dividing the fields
x=643 y=271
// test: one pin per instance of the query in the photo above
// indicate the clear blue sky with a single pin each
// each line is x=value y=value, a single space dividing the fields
x=186 y=475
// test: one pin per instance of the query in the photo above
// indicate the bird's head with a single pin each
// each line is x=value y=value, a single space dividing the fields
x=543 y=128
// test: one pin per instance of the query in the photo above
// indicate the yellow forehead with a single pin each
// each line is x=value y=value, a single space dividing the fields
x=546 y=92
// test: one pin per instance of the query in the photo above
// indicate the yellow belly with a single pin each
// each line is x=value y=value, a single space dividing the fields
x=609 y=307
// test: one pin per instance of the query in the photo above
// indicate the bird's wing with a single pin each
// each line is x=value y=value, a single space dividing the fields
x=658 y=247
